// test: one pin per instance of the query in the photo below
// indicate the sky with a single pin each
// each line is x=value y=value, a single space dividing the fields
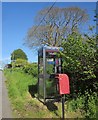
x=18 y=17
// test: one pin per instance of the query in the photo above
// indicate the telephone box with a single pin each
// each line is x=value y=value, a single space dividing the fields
x=51 y=83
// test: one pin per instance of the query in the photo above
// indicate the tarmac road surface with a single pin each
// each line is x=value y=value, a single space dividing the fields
x=0 y=95
x=5 y=108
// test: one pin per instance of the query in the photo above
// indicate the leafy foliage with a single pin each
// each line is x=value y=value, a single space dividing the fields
x=86 y=103
x=18 y=54
x=26 y=67
x=79 y=59
x=31 y=68
x=79 y=62
x=19 y=63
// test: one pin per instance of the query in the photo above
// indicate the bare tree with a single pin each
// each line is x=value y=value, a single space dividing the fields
x=56 y=25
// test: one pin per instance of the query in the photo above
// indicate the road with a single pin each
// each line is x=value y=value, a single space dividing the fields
x=5 y=108
x=0 y=95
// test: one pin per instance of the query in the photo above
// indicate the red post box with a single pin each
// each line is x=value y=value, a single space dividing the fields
x=63 y=83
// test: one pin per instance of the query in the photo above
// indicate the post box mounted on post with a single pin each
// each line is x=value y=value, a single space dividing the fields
x=63 y=86
x=52 y=82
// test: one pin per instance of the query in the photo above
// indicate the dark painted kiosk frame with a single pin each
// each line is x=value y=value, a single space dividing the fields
x=49 y=64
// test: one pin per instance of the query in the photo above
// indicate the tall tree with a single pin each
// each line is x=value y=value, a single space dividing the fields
x=56 y=25
x=18 y=54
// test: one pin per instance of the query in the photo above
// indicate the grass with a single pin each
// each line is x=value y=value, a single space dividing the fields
x=26 y=106
x=23 y=105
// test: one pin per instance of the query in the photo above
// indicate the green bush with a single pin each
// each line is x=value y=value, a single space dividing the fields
x=90 y=105
x=31 y=68
x=26 y=67
x=85 y=103
x=80 y=63
x=77 y=103
x=19 y=63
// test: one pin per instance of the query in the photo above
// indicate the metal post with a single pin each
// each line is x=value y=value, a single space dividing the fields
x=38 y=73
x=62 y=107
x=44 y=73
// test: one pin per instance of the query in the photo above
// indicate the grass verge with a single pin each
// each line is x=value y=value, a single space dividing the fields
x=26 y=106
x=23 y=105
